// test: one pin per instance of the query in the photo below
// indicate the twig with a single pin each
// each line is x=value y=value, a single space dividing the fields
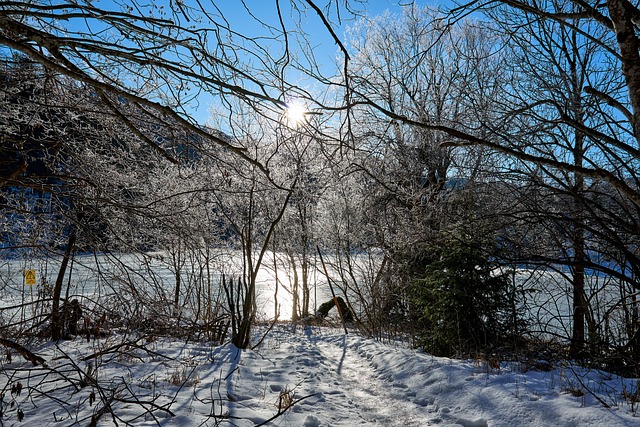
x=588 y=390
x=280 y=412
x=265 y=334
x=114 y=348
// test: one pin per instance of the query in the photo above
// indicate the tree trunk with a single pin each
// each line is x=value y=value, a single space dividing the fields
x=576 y=350
x=177 y=264
x=295 y=287
x=56 y=323
x=622 y=15
x=323 y=310
x=305 y=283
x=241 y=338
x=576 y=82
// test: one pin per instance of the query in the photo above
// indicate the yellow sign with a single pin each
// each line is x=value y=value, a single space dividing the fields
x=30 y=277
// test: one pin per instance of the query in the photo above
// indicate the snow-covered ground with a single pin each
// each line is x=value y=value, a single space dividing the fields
x=298 y=376
x=302 y=376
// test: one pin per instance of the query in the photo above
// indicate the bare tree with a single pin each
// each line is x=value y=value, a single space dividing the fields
x=145 y=68
x=409 y=75
x=613 y=128
x=571 y=113
x=553 y=63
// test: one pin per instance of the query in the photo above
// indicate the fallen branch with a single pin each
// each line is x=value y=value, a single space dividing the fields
x=26 y=353
x=588 y=390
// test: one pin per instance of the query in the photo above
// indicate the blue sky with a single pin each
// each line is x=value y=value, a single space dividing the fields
x=246 y=17
x=323 y=45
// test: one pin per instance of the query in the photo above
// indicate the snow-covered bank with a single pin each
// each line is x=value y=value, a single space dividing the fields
x=334 y=380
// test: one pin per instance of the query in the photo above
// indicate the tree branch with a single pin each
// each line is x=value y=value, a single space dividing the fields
x=612 y=102
x=26 y=353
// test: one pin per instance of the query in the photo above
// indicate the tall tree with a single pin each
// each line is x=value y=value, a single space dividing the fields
x=411 y=74
x=570 y=112
x=553 y=63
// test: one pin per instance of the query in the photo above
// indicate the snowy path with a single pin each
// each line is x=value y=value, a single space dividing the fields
x=360 y=382
x=340 y=380
x=345 y=377
x=354 y=383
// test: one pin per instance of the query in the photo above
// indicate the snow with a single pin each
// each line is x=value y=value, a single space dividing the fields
x=331 y=379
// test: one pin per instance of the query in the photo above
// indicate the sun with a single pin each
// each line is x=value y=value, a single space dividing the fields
x=296 y=113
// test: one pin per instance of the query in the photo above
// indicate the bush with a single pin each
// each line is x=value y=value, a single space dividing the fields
x=464 y=304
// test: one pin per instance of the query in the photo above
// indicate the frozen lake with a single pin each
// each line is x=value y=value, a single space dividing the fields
x=151 y=279
x=139 y=284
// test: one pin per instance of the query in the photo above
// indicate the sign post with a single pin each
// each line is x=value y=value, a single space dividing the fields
x=30 y=281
